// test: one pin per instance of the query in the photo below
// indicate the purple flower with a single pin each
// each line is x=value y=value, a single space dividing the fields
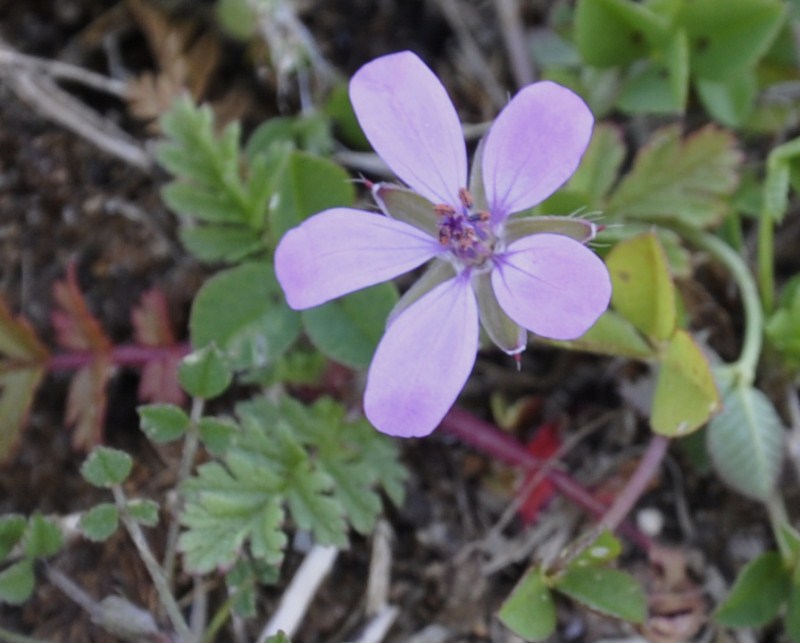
x=512 y=274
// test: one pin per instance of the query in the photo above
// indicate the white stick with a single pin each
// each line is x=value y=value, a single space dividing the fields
x=301 y=591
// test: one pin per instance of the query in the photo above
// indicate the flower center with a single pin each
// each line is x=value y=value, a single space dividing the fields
x=464 y=231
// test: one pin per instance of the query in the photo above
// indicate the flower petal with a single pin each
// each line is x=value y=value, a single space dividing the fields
x=407 y=116
x=533 y=147
x=423 y=361
x=552 y=285
x=341 y=250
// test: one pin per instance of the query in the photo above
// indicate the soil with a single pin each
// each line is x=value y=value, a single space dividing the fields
x=62 y=201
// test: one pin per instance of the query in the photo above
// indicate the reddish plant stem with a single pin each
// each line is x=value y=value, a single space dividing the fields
x=490 y=440
x=637 y=483
x=121 y=355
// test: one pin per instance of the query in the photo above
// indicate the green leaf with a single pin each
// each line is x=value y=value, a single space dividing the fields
x=758 y=593
x=163 y=422
x=530 y=611
x=242 y=310
x=143 y=511
x=306 y=185
x=100 y=522
x=348 y=329
x=42 y=537
x=217 y=434
x=728 y=37
x=686 y=396
x=280 y=637
x=730 y=101
x=204 y=373
x=221 y=242
x=782 y=326
x=614 y=335
x=680 y=180
x=599 y=166
x=106 y=467
x=616 y=32
x=17 y=582
x=12 y=528
x=605 y=549
x=660 y=85
x=792 y=618
x=745 y=442
x=643 y=290
x=604 y=590
x=203 y=203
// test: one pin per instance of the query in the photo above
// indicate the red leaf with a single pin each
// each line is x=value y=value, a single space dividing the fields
x=76 y=327
x=86 y=403
x=545 y=444
x=153 y=327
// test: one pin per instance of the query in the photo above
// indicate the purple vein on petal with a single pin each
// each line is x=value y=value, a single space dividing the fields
x=423 y=361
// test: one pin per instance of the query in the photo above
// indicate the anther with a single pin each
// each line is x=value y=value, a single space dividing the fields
x=465 y=197
x=443 y=210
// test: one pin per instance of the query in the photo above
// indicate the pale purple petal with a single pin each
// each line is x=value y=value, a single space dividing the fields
x=423 y=361
x=341 y=250
x=533 y=147
x=552 y=285
x=407 y=116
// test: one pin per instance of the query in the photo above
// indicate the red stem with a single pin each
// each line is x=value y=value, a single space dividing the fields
x=122 y=355
x=490 y=440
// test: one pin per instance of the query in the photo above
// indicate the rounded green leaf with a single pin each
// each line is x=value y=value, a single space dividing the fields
x=205 y=373
x=106 y=467
x=42 y=537
x=12 y=527
x=529 y=611
x=758 y=594
x=746 y=442
x=612 y=334
x=242 y=310
x=143 y=511
x=348 y=330
x=605 y=548
x=307 y=184
x=17 y=582
x=686 y=395
x=643 y=289
x=604 y=590
x=163 y=422
x=100 y=522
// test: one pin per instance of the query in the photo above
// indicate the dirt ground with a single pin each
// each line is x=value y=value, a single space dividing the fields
x=63 y=200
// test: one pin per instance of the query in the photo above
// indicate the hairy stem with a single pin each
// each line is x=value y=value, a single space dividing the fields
x=153 y=568
x=745 y=367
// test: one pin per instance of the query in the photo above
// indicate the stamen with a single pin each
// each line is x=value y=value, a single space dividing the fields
x=443 y=210
x=465 y=197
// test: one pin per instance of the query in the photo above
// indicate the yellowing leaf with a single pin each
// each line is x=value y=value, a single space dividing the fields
x=17 y=389
x=686 y=396
x=643 y=289
x=17 y=339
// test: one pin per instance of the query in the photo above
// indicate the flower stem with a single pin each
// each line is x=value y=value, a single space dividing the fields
x=154 y=570
x=490 y=440
x=637 y=483
x=744 y=368
x=190 y=444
